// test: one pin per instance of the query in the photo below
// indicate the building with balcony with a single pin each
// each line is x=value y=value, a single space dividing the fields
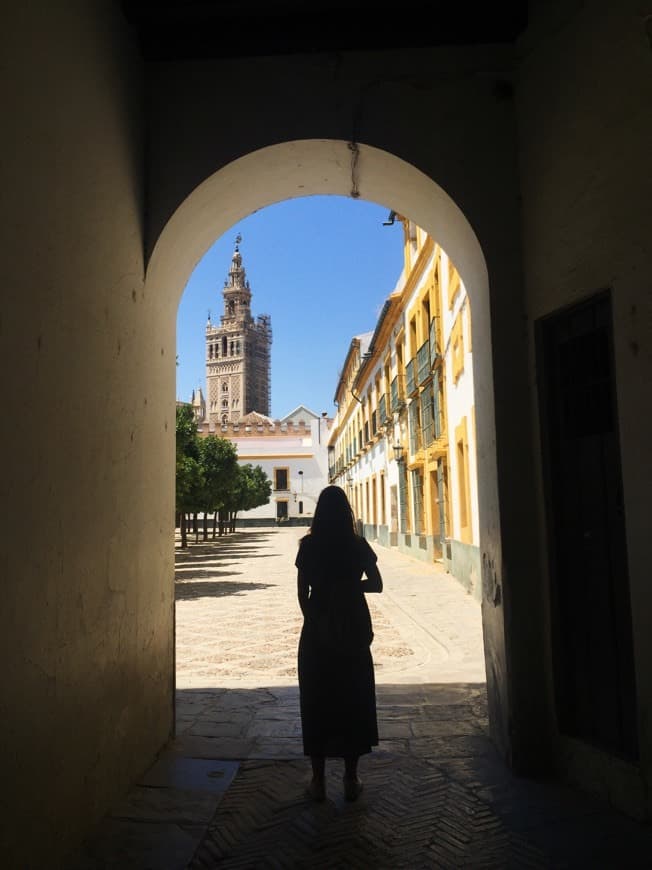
x=403 y=439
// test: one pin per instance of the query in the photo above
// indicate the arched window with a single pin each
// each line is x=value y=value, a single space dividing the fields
x=225 y=387
x=225 y=403
x=225 y=419
x=224 y=345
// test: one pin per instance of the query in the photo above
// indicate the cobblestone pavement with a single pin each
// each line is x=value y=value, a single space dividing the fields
x=229 y=791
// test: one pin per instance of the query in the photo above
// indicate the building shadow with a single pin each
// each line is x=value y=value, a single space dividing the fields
x=436 y=792
x=187 y=589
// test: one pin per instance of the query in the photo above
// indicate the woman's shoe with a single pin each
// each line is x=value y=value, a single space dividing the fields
x=316 y=791
x=352 y=787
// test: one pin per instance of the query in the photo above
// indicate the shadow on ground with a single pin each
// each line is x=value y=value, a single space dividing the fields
x=436 y=792
x=220 y=588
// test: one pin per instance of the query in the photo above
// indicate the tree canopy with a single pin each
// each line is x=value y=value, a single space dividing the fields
x=209 y=479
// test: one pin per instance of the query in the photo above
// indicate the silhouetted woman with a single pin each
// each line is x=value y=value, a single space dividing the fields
x=336 y=671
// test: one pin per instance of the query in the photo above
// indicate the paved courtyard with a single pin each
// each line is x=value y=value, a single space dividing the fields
x=229 y=791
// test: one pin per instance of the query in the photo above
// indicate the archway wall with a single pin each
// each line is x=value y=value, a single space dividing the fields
x=86 y=621
x=448 y=116
x=585 y=139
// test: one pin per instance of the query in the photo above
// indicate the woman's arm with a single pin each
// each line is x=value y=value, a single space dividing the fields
x=374 y=582
x=303 y=590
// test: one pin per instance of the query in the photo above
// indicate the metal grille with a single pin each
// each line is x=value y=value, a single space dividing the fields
x=423 y=363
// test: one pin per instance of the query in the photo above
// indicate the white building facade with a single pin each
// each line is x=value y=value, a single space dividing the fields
x=293 y=453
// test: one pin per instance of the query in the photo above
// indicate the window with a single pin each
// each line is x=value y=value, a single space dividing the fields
x=427 y=415
x=453 y=283
x=414 y=418
x=225 y=403
x=413 y=336
x=281 y=510
x=225 y=387
x=417 y=496
x=281 y=479
x=457 y=344
x=300 y=507
x=462 y=455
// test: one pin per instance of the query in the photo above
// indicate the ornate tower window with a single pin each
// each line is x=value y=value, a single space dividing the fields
x=225 y=387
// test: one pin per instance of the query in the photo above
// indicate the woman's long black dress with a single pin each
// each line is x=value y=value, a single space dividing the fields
x=336 y=671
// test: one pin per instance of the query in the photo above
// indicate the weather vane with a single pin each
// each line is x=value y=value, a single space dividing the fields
x=238 y=239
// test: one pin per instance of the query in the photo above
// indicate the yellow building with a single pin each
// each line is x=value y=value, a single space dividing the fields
x=403 y=439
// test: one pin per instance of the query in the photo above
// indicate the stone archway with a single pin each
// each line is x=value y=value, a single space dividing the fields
x=308 y=167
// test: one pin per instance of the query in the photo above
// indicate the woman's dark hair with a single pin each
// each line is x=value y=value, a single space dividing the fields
x=333 y=520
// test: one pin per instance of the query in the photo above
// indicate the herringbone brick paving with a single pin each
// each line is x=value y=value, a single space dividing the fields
x=413 y=813
x=229 y=790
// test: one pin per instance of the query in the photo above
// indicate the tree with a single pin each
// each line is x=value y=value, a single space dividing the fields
x=218 y=459
x=189 y=476
x=251 y=489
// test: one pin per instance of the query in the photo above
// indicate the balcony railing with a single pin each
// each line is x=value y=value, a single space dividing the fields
x=435 y=355
x=396 y=394
x=383 y=416
x=423 y=363
x=410 y=381
x=427 y=416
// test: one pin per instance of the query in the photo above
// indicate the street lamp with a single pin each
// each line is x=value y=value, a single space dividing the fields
x=300 y=473
x=398 y=452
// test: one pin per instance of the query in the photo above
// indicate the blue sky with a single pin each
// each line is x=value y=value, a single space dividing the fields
x=322 y=267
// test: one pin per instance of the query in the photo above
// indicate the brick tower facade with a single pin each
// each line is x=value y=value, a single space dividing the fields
x=238 y=353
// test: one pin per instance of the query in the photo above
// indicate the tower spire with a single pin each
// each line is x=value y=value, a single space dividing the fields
x=236 y=292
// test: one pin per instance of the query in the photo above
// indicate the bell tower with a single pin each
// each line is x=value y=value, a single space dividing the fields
x=238 y=352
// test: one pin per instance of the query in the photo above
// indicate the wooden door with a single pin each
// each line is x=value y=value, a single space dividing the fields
x=592 y=635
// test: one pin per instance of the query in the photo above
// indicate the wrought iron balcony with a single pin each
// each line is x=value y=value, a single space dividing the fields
x=435 y=353
x=410 y=381
x=383 y=416
x=397 y=396
x=423 y=363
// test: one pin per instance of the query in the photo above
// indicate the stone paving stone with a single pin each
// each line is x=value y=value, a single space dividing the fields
x=131 y=845
x=436 y=793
